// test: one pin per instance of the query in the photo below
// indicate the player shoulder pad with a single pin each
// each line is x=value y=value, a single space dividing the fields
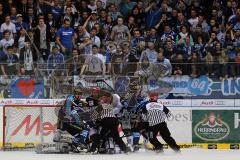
x=70 y=97
x=154 y=106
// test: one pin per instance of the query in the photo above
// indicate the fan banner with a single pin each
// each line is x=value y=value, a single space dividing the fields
x=27 y=88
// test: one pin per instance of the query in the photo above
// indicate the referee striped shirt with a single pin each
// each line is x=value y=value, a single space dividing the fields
x=155 y=113
x=107 y=111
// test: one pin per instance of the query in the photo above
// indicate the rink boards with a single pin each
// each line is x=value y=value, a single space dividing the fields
x=210 y=124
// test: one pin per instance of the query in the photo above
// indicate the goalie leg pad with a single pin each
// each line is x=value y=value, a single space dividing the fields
x=63 y=137
x=48 y=148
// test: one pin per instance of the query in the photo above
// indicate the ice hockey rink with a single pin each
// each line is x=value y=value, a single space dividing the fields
x=186 y=154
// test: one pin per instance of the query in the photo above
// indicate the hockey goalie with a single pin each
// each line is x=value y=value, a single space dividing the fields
x=74 y=127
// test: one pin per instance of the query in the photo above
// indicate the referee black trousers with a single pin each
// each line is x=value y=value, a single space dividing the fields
x=109 y=129
x=165 y=134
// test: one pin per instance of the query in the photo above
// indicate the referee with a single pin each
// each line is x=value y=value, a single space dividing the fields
x=156 y=114
x=109 y=124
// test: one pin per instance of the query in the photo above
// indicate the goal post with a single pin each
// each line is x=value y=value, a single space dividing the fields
x=24 y=126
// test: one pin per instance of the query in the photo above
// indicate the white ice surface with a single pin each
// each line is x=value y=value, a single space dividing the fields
x=187 y=154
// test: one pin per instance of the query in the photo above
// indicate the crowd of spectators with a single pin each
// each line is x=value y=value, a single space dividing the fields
x=198 y=37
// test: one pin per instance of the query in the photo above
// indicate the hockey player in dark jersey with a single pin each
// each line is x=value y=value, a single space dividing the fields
x=156 y=114
x=72 y=132
x=73 y=118
x=92 y=100
x=131 y=122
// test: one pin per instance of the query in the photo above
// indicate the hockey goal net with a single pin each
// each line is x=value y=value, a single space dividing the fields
x=24 y=126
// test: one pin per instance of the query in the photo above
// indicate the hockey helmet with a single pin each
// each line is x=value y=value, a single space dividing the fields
x=153 y=96
x=133 y=86
x=96 y=89
x=77 y=91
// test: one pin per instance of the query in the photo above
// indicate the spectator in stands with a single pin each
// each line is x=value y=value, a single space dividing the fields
x=57 y=12
x=22 y=8
x=152 y=36
x=178 y=65
x=153 y=14
x=181 y=21
x=223 y=66
x=83 y=8
x=150 y=54
x=112 y=11
x=43 y=8
x=9 y=63
x=231 y=52
x=31 y=18
x=50 y=21
x=6 y=42
x=102 y=17
x=169 y=49
x=68 y=15
x=161 y=60
x=91 y=21
x=193 y=21
x=95 y=39
x=2 y=13
x=196 y=65
x=56 y=62
x=120 y=32
x=65 y=38
x=52 y=38
x=92 y=5
x=8 y=25
x=136 y=38
x=199 y=47
x=235 y=20
x=20 y=24
x=28 y=59
x=237 y=65
x=161 y=24
x=202 y=21
x=99 y=6
x=199 y=32
x=126 y=7
x=20 y=39
x=86 y=46
x=135 y=54
x=181 y=37
x=131 y=24
x=212 y=42
x=75 y=63
x=173 y=19
x=139 y=17
x=168 y=33
x=71 y=6
x=41 y=38
x=13 y=14
x=208 y=60
x=126 y=66
x=117 y=61
x=236 y=38
x=94 y=63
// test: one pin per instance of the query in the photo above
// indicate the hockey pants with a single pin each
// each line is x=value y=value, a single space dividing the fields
x=165 y=134
x=109 y=127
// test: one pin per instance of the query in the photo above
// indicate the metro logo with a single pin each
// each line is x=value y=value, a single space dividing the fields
x=47 y=127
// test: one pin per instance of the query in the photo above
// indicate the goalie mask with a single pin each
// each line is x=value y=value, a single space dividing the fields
x=77 y=92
